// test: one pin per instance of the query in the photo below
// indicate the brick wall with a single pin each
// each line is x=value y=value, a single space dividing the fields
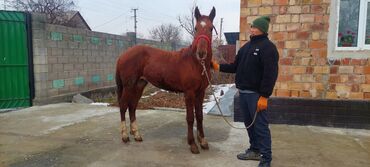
x=299 y=28
x=69 y=60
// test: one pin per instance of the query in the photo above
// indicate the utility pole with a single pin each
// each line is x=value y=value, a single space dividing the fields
x=135 y=21
x=220 y=38
x=4 y=4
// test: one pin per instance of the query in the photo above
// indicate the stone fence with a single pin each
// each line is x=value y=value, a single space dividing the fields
x=68 y=61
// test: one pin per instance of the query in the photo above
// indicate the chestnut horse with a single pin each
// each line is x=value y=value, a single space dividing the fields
x=179 y=71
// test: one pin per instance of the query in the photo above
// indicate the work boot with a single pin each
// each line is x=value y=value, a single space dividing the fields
x=249 y=155
x=264 y=163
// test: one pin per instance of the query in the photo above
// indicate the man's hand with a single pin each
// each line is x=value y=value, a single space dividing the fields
x=262 y=104
x=214 y=65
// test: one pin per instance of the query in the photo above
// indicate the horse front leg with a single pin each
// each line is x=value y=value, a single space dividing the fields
x=189 y=100
x=199 y=117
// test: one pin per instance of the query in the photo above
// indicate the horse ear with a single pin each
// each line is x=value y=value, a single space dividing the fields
x=212 y=14
x=197 y=13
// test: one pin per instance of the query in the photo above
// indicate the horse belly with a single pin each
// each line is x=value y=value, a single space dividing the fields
x=163 y=78
x=161 y=83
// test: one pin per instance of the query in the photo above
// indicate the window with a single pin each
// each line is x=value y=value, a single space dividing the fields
x=353 y=31
x=367 y=35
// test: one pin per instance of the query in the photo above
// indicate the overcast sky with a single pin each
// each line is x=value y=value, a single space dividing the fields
x=115 y=16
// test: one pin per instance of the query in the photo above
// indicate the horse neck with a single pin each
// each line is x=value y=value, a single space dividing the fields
x=189 y=54
x=191 y=51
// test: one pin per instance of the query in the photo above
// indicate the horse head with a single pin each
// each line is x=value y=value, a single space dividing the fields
x=202 y=43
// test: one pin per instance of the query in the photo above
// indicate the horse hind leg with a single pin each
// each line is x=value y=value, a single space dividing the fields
x=137 y=92
x=123 y=105
x=122 y=100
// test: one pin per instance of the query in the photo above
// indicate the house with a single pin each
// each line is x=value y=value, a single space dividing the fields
x=75 y=20
x=231 y=37
x=226 y=53
x=324 y=65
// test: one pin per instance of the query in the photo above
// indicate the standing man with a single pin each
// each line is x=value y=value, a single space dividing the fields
x=256 y=68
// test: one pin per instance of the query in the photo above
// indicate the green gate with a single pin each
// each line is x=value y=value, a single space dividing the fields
x=14 y=60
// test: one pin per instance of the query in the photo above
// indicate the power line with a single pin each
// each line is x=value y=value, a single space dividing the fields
x=163 y=14
x=103 y=6
x=149 y=8
x=152 y=20
x=110 y=20
x=113 y=5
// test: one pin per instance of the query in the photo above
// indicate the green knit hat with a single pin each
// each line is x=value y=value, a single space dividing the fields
x=262 y=23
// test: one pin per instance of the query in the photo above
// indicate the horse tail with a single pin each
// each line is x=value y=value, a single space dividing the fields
x=119 y=86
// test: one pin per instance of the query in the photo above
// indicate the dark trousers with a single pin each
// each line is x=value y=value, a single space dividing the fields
x=259 y=132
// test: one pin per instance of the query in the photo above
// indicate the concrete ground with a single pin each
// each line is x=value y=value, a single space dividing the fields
x=86 y=135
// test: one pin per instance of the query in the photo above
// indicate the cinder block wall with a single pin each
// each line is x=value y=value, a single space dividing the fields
x=300 y=30
x=69 y=60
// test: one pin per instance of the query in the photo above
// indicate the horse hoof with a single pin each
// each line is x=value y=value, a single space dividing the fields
x=204 y=146
x=194 y=149
x=125 y=139
x=203 y=143
x=139 y=139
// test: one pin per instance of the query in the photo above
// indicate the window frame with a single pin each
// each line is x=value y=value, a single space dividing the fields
x=361 y=29
x=367 y=5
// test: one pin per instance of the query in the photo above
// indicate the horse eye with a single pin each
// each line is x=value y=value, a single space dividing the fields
x=195 y=29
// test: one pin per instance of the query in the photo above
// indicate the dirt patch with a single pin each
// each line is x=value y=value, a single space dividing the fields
x=162 y=99
x=152 y=97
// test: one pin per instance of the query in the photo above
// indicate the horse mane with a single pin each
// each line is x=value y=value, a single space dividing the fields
x=187 y=51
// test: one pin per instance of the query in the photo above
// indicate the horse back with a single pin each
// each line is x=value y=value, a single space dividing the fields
x=132 y=62
x=172 y=71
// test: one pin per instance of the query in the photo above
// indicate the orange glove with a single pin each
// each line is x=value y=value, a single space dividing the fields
x=262 y=104
x=215 y=66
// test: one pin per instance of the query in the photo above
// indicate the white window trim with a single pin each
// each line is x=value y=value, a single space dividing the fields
x=364 y=22
x=332 y=51
x=361 y=29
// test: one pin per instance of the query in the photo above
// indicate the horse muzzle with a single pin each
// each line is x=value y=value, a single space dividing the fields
x=201 y=55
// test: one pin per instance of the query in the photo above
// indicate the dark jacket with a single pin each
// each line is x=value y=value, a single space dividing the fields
x=255 y=65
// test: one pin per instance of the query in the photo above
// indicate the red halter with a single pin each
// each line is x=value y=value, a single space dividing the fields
x=204 y=37
x=209 y=50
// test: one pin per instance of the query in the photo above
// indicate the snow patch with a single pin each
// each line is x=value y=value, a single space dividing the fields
x=152 y=94
x=207 y=106
x=100 y=104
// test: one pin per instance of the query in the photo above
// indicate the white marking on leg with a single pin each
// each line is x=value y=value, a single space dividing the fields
x=124 y=129
x=135 y=130
x=203 y=142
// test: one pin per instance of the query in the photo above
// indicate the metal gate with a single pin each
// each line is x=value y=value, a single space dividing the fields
x=14 y=60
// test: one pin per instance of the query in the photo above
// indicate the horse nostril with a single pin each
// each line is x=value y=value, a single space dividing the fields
x=201 y=54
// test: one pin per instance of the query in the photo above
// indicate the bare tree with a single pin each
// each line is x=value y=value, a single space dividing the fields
x=187 y=22
x=167 y=33
x=55 y=10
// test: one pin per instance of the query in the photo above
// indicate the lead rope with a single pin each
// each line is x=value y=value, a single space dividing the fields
x=217 y=103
